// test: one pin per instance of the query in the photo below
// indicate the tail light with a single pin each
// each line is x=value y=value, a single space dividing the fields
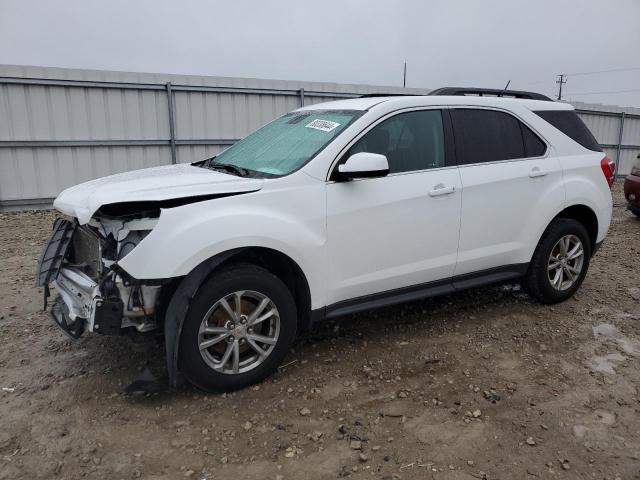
x=608 y=169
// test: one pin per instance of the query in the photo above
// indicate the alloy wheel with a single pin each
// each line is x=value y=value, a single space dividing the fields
x=238 y=332
x=565 y=262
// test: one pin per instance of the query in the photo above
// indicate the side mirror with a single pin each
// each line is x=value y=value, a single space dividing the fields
x=364 y=165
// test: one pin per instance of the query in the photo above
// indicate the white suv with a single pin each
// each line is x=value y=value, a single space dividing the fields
x=328 y=210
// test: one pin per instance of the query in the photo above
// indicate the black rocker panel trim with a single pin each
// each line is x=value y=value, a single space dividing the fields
x=424 y=290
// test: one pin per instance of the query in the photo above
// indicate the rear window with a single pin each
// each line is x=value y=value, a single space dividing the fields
x=568 y=122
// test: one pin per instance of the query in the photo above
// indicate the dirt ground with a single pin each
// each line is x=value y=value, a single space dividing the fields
x=481 y=384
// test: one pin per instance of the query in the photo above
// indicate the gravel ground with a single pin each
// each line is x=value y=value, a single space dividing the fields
x=481 y=384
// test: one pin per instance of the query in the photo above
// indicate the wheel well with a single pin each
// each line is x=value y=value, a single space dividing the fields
x=586 y=217
x=286 y=269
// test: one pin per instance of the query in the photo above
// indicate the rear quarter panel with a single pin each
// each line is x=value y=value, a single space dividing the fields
x=584 y=181
x=585 y=184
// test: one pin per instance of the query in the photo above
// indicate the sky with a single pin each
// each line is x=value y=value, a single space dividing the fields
x=444 y=42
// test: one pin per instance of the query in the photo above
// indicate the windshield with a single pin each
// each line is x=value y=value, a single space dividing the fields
x=287 y=143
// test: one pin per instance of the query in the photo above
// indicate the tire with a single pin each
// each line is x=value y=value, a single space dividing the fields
x=229 y=333
x=539 y=279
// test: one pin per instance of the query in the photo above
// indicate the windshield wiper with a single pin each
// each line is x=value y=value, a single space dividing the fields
x=233 y=169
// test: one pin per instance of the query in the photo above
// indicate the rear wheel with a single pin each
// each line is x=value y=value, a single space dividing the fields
x=238 y=329
x=560 y=262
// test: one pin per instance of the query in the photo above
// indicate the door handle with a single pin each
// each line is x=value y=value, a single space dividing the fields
x=537 y=172
x=441 y=189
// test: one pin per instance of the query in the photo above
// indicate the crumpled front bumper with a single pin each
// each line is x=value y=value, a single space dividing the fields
x=79 y=306
x=74 y=308
x=59 y=313
x=78 y=291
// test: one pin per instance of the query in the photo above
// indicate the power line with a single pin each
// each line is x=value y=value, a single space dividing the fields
x=539 y=82
x=610 y=91
x=594 y=72
x=630 y=69
x=564 y=75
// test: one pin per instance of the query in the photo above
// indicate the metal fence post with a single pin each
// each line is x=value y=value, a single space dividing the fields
x=301 y=93
x=172 y=128
x=619 y=147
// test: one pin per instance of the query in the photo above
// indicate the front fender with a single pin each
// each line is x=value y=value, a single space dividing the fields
x=189 y=235
x=177 y=312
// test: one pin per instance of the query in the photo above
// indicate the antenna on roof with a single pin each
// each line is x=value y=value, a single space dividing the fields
x=507 y=85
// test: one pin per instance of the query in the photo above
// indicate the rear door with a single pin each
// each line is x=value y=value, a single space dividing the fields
x=511 y=181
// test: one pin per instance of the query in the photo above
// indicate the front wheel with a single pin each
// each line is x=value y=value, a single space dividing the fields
x=560 y=262
x=238 y=329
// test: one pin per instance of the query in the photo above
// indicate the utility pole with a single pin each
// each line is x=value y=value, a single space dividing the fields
x=404 y=77
x=561 y=81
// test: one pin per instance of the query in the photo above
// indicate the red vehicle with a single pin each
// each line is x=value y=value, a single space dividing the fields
x=632 y=189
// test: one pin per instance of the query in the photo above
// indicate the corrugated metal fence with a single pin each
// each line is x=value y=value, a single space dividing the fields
x=617 y=129
x=59 y=127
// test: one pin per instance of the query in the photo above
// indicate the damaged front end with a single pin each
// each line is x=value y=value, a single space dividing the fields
x=94 y=293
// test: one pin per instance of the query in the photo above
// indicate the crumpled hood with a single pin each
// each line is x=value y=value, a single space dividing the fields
x=149 y=184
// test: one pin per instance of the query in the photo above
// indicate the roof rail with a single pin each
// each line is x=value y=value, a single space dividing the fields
x=375 y=95
x=460 y=91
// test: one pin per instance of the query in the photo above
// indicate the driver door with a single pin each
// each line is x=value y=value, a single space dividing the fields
x=398 y=231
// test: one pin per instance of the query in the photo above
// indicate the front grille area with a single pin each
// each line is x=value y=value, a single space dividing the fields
x=86 y=252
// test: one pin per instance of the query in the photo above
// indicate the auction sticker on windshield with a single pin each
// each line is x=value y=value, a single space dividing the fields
x=324 y=125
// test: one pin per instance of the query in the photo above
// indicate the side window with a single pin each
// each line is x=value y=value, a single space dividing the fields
x=533 y=146
x=410 y=141
x=568 y=122
x=489 y=136
x=486 y=136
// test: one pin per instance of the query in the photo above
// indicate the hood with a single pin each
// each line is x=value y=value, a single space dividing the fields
x=149 y=184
